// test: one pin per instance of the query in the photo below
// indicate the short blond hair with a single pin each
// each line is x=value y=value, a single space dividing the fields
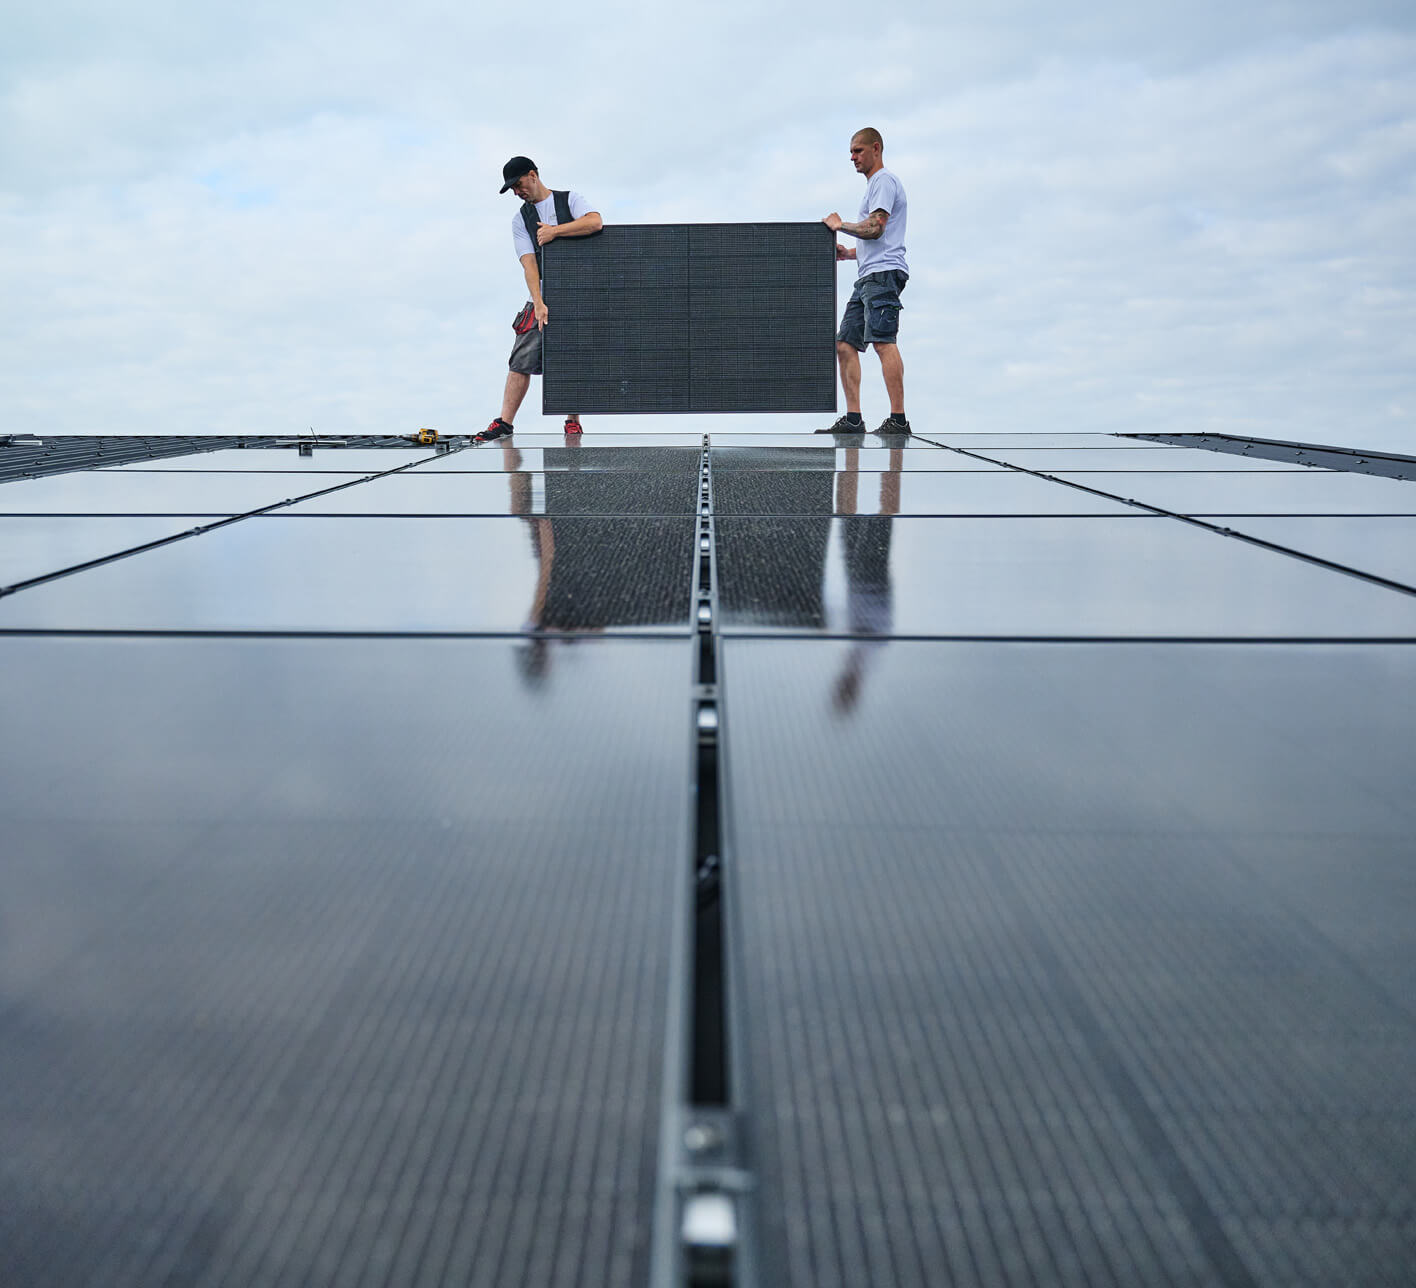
x=868 y=135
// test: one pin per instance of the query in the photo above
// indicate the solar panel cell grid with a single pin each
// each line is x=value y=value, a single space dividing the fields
x=762 y=303
x=617 y=335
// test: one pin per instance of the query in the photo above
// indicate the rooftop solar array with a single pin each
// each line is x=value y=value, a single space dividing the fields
x=705 y=859
x=1392 y=465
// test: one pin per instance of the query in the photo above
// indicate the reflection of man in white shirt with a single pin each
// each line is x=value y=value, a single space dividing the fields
x=872 y=316
x=520 y=176
x=865 y=542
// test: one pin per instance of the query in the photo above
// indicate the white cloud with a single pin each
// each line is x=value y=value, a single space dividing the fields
x=258 y=219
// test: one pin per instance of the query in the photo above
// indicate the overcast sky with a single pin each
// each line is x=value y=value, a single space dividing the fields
x=1159 y=217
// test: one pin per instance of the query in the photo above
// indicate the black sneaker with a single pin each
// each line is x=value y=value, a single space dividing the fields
x=890 y=426
x=844 y=426
x=497 y=429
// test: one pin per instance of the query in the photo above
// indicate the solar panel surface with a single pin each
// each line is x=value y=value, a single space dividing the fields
x=691 y=318
x=355 y=882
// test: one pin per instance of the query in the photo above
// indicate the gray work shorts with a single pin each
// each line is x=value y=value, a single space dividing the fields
x=873 y=311
x=526 y=352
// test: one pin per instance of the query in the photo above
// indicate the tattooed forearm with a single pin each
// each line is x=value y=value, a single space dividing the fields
x=869 y=228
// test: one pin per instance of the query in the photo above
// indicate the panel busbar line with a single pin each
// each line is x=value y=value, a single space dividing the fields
x=691 y=318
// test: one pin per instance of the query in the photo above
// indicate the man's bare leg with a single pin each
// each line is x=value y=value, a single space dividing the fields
x=849 y=361
x=517 y=383
x=892 y=367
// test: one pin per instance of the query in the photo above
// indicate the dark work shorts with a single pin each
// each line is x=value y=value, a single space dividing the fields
x=873 y=311
x=526 y=353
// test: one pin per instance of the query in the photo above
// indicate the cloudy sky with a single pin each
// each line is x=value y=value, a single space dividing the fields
x=263 y=217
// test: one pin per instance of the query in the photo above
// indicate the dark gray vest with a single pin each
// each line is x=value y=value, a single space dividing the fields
x=533 y=221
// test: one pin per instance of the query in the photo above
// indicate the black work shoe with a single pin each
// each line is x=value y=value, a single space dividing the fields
x=844 y=426
x=497 y=429
x=891 y=426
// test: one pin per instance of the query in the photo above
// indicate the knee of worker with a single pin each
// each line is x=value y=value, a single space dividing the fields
x=844 y=351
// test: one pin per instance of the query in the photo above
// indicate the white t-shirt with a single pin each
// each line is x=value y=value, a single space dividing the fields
x=546 y=211
x=886 y=252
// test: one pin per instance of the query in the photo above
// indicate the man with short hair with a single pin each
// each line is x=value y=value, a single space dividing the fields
x=545 y=215
x=872 y=314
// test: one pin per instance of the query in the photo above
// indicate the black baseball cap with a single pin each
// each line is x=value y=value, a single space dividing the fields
x=514 y=169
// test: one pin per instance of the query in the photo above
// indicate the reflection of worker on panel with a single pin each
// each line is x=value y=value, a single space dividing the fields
x=544 y=215
x=555 y=605
x=865 y=543
x=785 y=539
x=593 y=572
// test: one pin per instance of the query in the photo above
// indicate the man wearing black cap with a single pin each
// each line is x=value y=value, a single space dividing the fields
x=550 y=215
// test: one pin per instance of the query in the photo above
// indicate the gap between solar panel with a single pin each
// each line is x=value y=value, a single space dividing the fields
x=709 y=1066
x=703 y=1223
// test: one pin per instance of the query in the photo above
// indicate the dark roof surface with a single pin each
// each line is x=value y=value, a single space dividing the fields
x=982 y=859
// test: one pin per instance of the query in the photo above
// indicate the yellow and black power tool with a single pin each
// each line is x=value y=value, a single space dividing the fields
x=425 y=437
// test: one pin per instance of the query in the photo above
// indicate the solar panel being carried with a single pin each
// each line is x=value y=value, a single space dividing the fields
x=691 y=318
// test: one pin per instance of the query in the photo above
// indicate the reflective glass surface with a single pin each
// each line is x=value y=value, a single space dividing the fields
x=846 y=458
x=385 y=574
x=33 y=546
x=1105 y=947
x=1076 y=954
x=1034 y=578
x=507 y=457
x=1261 y=491
x=550 y=492
x=320 y=965
x=338 y=460
x=593 y=438
x=1380 y=545
x=1126 y=458
x=794 y=491
x=817 y=442
x=151 y=492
